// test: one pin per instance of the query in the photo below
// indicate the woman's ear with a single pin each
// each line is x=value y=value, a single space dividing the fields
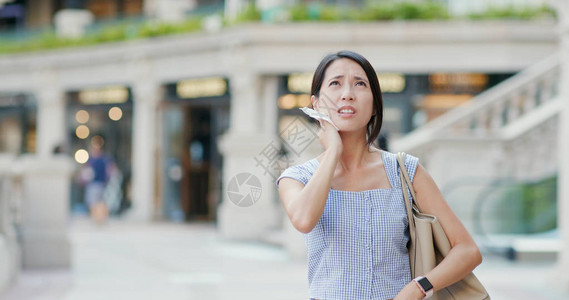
x=314 y=101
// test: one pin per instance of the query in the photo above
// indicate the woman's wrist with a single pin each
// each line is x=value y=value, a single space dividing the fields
x=334 y=152
x=410 y=291
x=418 y=294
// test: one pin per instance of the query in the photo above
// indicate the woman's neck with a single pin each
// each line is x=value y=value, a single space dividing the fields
x=354 y=152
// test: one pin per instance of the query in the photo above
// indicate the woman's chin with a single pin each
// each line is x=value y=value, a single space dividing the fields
x=350 y=129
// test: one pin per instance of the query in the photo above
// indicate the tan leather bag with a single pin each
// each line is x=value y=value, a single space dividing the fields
x=429 y=245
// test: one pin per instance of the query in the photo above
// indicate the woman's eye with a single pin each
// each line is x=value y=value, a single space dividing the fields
x=334 y=83
x=361 y=83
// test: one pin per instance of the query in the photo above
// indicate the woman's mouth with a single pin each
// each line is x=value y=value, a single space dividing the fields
x=346 y=111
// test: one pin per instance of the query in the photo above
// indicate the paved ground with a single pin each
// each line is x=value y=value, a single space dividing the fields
x=180 y=261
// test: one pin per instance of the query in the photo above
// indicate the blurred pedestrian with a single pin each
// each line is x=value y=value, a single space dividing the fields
x=349 y=204
x=96 y=173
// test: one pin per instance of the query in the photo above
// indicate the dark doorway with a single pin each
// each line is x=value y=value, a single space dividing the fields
x=191 y=184
x=196 y=161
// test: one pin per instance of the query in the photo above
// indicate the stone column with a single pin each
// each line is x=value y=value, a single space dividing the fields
x=146 y=94
x=232 y=8
x=149 y=7
x=563 y=180
x=45 y=182
x=71 y=23
x=51 y=113
x=170 y=11
x=252 y=130
x=39 y=13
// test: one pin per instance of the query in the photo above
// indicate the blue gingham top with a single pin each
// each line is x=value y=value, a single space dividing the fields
x=357 y=250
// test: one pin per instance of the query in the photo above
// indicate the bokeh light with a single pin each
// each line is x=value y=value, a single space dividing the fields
x=303 y=100
x=81 y=156
x=115 y=113
x=287 y=101
x=82 y=132
x=82 y=116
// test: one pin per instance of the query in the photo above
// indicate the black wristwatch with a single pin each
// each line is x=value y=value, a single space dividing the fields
x=425 y=286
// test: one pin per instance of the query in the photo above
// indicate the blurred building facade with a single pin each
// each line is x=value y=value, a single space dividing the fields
x=184 y=115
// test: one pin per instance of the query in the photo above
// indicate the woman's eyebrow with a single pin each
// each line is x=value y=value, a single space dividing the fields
x=355 y=77
x=336 y=77
x=360 y=78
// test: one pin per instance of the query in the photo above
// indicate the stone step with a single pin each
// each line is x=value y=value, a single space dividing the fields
x=523 y=247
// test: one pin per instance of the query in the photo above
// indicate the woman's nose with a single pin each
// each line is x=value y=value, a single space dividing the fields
x=347 y=94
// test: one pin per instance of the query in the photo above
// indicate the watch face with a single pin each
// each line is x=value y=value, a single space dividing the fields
x=425 y=284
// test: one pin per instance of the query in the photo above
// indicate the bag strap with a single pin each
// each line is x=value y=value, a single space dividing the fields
x=404 y=185
x=405 y=177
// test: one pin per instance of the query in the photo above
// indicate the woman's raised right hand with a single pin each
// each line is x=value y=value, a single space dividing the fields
x=329 y=137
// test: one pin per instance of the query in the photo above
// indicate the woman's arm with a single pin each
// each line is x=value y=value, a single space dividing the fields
x=464 y=255
x=305 y=204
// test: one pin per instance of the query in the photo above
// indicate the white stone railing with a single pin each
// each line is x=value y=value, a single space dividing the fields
x=493 y=110
x=10 y=218
x=34 y=208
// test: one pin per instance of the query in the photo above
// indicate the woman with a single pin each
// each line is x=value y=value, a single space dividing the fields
x=348 y=201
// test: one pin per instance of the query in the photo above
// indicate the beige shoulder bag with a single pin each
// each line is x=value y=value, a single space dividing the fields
x=429 y=245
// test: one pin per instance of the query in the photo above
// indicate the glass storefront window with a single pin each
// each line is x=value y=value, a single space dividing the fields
x=103 y=116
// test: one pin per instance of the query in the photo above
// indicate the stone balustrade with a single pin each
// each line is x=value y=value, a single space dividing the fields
x=489 y=113
x=508 y=132
x=10 y=219
x=509 y=106
x=34 y=205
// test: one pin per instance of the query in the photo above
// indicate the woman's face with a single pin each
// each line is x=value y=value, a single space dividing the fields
x=346 y=96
